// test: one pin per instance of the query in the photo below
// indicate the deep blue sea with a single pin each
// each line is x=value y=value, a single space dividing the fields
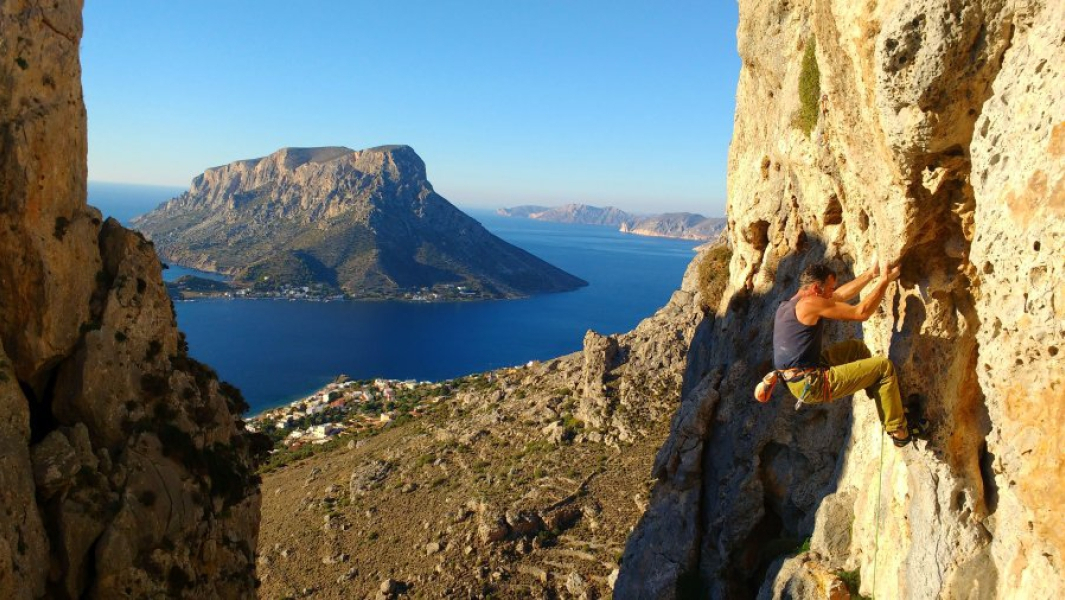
x=279 y=350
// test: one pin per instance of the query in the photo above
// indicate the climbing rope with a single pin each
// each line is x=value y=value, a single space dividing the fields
x=876 y=536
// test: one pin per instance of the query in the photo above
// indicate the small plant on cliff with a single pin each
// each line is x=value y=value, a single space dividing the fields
x=713 y=276
x=571 y=422
x=809 y=88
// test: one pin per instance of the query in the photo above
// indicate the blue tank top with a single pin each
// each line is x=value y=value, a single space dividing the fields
x=795 y=346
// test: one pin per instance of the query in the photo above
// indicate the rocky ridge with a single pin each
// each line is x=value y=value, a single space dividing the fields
x=521 y=483
x=366 y=223
x=126 y=469
x=926 y=132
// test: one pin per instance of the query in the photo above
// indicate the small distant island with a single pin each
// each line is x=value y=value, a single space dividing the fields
x=681 y=225
x=332 y=222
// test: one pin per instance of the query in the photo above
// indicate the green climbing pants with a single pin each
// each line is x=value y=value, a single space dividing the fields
x=853 y=367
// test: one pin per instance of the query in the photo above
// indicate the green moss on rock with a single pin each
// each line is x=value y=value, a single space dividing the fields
x=809 y=88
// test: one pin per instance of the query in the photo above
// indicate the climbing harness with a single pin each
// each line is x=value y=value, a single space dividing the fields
x=764 y=390
x=825 y=388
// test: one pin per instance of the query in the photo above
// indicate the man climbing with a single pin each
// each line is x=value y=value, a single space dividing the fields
x=814 y=376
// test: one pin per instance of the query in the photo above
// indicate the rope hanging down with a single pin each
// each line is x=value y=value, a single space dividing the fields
x=876 y=535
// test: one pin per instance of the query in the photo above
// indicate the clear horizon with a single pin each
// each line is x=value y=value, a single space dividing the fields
x=608 y=104
x=152 y=203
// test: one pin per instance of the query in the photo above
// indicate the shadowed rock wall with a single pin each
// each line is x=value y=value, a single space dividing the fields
x=939 y=144
x=124 y=468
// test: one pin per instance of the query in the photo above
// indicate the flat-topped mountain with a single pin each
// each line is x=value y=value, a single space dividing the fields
x=366 y=223
x=682 y=225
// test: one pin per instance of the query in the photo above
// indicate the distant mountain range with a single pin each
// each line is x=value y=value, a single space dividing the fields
x=681 y=225
x=364 y=223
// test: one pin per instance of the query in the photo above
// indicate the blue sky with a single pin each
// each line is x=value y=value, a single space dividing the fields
x=509 y=102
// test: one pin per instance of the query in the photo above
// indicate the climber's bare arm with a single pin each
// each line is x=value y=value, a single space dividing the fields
x=812 y=308
x=851 y=289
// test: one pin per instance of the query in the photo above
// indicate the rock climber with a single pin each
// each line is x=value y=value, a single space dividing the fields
x=814 y=375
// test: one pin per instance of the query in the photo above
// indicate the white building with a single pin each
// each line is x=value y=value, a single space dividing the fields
x=324 y=430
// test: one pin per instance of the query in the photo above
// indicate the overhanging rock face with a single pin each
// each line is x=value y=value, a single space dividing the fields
x=124 y=468
x=939 y=142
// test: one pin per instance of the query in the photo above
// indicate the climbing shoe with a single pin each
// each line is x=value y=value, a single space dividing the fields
x=917 y=427
x=900 y=442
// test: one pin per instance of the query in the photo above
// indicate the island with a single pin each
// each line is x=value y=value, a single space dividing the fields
x=334 y=222
x=681 y=225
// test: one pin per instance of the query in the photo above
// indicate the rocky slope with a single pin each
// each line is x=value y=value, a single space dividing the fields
x=520 y=483
x=367 y=223
x=126 y=471
x=927 y=132
x=672 y=225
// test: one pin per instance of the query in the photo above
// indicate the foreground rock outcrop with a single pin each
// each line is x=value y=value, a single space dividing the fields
x=927 y=132
x=366 y=223
x=126 y=471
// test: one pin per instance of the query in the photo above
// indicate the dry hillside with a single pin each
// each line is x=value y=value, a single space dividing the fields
x=521 y=483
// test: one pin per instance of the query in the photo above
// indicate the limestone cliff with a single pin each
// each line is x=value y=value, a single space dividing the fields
x=366 y=222
x=928 y=132
x=125 y=470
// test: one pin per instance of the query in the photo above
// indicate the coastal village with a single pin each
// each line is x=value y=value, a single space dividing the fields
x=347 y=408
x=341 y=406
x=194 y=287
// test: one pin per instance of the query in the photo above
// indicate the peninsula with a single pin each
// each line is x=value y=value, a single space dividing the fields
x=358 y=224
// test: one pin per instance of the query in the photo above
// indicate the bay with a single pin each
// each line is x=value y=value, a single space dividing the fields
x=279 y=350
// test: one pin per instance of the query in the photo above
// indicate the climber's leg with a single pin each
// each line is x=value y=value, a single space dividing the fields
x=875 y=375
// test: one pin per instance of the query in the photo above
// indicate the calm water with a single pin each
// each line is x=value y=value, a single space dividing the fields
x=278 y=350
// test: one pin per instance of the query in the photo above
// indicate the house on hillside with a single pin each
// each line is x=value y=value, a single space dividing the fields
x=323 y=431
